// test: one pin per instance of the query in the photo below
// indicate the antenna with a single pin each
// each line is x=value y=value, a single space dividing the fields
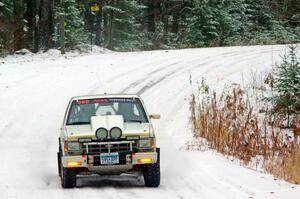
x=98 y=77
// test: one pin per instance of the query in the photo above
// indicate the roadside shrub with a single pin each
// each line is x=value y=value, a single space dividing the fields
x=286 y=167
x=232 y=126
x=286 y=98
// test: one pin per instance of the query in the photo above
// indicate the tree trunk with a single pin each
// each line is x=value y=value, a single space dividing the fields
x=175 y=24
x=106 y=31
x=37 y=18
x=62 y=34
x=151 y=16
x=19 y=33
x=50 y=42
x=111 y=27
x=99 y=24
x=165 y=18
x=29 y=17
x=46 y=22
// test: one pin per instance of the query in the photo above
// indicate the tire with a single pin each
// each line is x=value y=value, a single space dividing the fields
x=152 y=175
x=68 y=178
x=59 y=163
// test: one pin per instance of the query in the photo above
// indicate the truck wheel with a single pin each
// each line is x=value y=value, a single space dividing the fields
x=152 y=175
x=59 y=163
x=68 y=178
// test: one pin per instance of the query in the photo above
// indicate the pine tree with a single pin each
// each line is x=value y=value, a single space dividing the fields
x=288 y=11
x=259 y=14
x=202 y=24
x=211 y=22
x=127 y=33
x=5 y=8
x=287 y=85
x=240 y=25
x=74 y=23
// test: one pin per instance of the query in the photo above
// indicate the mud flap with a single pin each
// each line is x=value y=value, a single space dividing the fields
x=59 y=163
x=158 y=154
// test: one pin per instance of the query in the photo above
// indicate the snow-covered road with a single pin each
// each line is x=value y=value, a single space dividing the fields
x=34 y=94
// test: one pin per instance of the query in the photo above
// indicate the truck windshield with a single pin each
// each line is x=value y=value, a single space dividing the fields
x=81 y=111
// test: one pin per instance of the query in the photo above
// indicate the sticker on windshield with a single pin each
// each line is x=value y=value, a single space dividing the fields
x=83 y=101
x=106 y=100
x=100 y=100
x=122 y=100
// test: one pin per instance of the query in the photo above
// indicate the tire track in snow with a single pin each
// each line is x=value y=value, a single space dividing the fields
x=237 y=55
x=156 y=71
x=138 y=82
x=116 y=78
x=153 y=83
x=178 y=69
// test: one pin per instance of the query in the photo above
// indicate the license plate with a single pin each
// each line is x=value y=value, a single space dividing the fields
x=109 y=158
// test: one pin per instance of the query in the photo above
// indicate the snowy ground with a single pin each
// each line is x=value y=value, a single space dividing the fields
x=34 y=93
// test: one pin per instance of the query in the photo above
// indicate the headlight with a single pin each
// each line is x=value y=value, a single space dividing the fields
x=101 y=133
x=146 y=143
x=115 y=133
x=73 y=146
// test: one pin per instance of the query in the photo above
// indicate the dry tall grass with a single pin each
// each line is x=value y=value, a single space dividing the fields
x=232 y=126
x=286 y=167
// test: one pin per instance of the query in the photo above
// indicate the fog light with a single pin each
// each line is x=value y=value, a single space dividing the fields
x=128 y=158
x=144 y=160
x=73 y=164
x=91 y=159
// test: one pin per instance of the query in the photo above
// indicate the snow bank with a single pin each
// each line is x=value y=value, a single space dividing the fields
x=24 y=55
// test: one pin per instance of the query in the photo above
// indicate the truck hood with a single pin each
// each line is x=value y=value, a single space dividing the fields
x=85 y=131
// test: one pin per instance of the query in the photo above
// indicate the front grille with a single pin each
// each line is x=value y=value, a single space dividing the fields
x=109 y=147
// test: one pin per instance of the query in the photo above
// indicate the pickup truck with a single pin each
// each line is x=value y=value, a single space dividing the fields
x=108 y=135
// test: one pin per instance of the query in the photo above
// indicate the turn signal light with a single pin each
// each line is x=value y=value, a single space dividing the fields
x=65 y=147
x=144 y=160
x=73 y=164
x=153 y=143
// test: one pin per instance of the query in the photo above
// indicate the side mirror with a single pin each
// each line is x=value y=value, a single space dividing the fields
x=155 y=116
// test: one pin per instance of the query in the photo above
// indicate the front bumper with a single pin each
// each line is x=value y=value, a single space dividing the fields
x=88 y=161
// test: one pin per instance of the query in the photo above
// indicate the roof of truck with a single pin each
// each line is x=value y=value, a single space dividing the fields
x=82 y=97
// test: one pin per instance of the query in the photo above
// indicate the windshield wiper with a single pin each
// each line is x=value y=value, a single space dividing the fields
x=139 y=121
x=78 y=123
